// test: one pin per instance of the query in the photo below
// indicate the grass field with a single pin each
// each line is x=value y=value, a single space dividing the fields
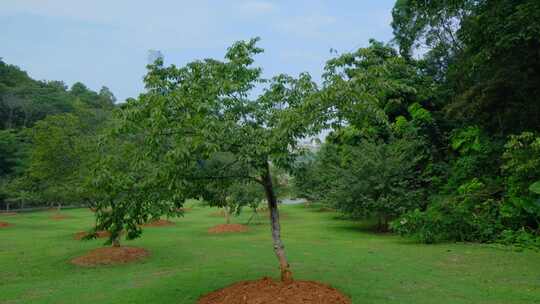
x=187 y=262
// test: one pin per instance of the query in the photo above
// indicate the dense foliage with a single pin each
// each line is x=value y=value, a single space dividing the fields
x=435 y=134
x=446 y=143
x=47 y=138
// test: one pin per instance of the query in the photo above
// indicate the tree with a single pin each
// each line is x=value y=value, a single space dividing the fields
x=431 y=25
x=373 y=161
x=368 y=177
x=23 y=100
x=371 y=87
x=55 y=158
x=522 y=171
x=61 y=155
x=230 y=194
x=9 y=145
x=484 y=56
x=107 y=98
x=191 y=113
x=127 y=189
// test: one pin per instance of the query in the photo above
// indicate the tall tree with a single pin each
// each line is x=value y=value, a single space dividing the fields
x=190 y=113
x=484 y=54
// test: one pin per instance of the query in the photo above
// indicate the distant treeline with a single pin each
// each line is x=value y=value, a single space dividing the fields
x=39 y=120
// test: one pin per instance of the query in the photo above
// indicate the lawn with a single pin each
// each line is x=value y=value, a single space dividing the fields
x=187 y=262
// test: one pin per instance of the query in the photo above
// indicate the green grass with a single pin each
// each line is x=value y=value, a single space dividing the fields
x=187 y=262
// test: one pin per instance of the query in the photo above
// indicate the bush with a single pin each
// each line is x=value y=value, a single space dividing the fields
x=520 y=238
x=469 y=216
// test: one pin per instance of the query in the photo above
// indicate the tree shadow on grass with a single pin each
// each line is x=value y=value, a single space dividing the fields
x=363 y=227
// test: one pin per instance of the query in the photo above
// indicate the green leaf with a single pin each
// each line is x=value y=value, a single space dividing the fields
x=535 y=187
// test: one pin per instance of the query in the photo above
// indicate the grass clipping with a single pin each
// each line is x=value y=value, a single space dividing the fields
x=269 y=291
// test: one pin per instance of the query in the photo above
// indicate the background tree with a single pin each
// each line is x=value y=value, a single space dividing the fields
x=489 y=49
x=127 y=189
x=373 y=161
x=483 y=58
x=55 y=158
x=41 y=147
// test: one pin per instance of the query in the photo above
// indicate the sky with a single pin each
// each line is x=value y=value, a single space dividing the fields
x=107 y=42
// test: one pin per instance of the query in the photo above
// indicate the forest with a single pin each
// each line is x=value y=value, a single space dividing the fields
x=433 y=136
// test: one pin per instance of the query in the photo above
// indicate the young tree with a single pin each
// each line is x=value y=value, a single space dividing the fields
x=191 y=113
x=375 y=179
x=220 y=193
x=127 y=189
x=55 y=158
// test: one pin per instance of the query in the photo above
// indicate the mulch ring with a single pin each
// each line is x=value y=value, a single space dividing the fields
x=4 y=224
x=99 y=234
x=228 y=228
x=158 y=223
x=268 y=291
x=8 y=213
x=110 y=256
x=58 y=216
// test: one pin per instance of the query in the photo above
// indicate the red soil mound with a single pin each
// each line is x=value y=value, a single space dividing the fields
x=226 y=228
x=158 y=223
x=110 y=256
x=8 y=213
x=268 y=291
x=58 y=216
x=4 y=224
x=99 y=234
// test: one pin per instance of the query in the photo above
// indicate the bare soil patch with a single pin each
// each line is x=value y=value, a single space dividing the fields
x=158 y=223
x=110 y=256
x=228 y=228
x=268 y=291
x=99 y=234
x=4 y=224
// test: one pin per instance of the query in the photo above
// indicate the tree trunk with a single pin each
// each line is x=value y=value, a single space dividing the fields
x=116 y=241
x=279 y=248
x=227 y=215
x=254 y=214
x=382 y=225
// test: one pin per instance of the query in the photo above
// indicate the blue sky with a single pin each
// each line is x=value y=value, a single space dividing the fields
x=106 y=42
